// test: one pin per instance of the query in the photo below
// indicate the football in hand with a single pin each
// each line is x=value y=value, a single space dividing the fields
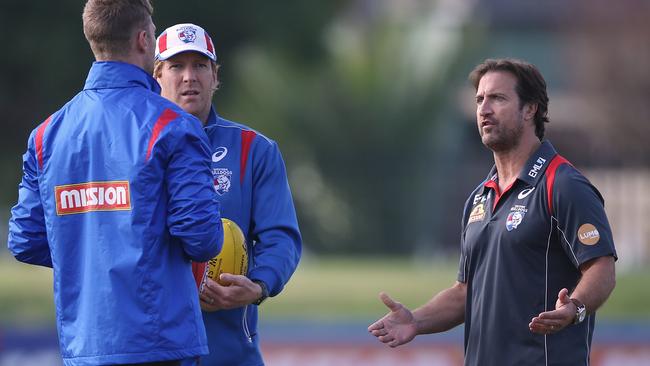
x=233 y=257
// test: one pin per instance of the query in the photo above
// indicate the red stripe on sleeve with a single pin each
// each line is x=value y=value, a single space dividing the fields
x=550 y=178
x=39 y=141
x=247 y=138
x=162 y=43
x=167 y=116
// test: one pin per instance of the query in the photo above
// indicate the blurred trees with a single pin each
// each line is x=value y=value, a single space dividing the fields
x=357 y=125
x=350 y=90
x=368 y=99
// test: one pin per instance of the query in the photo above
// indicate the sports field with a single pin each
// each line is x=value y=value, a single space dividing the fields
x=322 y=288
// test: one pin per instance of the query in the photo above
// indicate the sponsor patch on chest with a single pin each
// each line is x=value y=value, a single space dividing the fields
x=477 y=214
x=92 y=196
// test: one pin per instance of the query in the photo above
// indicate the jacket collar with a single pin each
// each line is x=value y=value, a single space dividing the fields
x=534 y=168
x=212 y=117
x=115 y=74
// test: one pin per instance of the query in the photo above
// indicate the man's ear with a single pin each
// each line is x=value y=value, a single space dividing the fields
x=529 y=111
x=215 y=77
x=142 y=41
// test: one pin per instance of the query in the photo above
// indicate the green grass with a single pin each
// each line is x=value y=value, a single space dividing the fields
x=327 y=288
x=322 y=288
x=25 y=293
x=337 y=288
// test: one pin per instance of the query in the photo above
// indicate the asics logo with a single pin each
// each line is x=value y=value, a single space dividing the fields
x=523 y=194
x=218 y=155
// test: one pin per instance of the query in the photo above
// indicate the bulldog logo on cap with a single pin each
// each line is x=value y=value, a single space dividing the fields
x=183 y=38
x=187 y=34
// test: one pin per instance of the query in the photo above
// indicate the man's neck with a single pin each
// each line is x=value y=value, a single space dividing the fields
x=509 y=163
x=203 y=117
x=129 y=59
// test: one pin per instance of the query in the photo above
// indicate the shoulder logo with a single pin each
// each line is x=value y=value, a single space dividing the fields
x=92 y=196
x=219 y=154
x=523 y=194
x=588 y=234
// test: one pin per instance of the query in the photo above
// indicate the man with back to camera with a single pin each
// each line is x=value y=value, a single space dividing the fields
x=537 y=255
x=117 y=198
x=250 y=177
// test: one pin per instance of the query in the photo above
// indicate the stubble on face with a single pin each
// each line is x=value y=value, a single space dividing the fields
x=500 y=115
x=503 y=138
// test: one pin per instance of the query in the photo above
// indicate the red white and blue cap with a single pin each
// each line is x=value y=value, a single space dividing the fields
x=183 y=38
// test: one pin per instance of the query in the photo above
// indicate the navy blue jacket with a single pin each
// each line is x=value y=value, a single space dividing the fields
x=519 y=248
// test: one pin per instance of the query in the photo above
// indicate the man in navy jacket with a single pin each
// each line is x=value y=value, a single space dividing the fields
x=537 y=252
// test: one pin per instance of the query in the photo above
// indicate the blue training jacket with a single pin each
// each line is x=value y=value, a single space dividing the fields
x=117 y=197
x=251 y=180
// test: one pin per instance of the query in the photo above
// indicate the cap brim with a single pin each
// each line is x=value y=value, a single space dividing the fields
x=186 y=48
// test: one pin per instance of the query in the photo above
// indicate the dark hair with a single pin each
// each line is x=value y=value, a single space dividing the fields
x=531 y=87
x=109 y=24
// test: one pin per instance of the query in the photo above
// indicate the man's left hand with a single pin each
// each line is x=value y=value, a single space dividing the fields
x=234 y=292
x=553 y=321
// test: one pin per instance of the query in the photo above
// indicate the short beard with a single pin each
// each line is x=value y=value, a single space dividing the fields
x=506 y=140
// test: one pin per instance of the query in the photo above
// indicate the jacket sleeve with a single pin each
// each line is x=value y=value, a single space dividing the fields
x=27 y=239
x=193 y=209
x=274 y=226
x=579 y=213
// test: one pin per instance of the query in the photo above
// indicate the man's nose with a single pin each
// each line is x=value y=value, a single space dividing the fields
x=484 y=108
x=189 y=75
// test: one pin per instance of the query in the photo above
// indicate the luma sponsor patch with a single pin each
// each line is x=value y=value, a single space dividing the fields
x=588 y=234
x=92 y=196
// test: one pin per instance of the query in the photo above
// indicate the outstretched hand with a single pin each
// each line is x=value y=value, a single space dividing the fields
x=395 y=328
x=553 y=321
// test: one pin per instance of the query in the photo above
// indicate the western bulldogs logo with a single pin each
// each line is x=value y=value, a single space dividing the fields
x=187 y=34
x=221 y=180
x=514 y=219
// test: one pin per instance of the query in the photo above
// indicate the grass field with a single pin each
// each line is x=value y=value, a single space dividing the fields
x=322 y=288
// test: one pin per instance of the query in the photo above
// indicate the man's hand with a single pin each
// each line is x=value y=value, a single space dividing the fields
x=236 y=292
x=553 y=321
x=397 y=327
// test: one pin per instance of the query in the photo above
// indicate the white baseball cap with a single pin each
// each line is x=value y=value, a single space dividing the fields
x=182 y=38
